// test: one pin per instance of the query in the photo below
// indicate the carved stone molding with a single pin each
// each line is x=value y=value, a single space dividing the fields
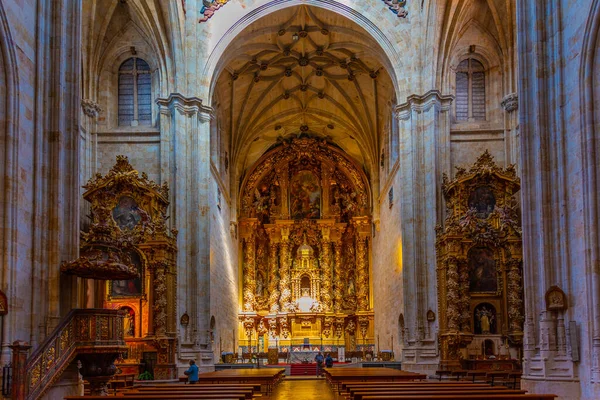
x=510 y=102
x=90 y=108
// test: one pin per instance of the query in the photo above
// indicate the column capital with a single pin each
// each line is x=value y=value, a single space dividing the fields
x=90 y=108
x=510 y=102
x=185 y=105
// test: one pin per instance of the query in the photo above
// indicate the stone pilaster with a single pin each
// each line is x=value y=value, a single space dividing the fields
x=187 y=122
x=510 y=104
x=424 y=129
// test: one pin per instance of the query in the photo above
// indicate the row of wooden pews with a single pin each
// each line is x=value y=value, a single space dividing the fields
x=222 y=385
x=379 y=384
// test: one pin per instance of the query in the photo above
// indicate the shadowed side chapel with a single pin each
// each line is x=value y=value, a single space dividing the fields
x=318 y=199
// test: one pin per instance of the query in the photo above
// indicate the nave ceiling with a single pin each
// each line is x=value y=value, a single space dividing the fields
x=303 y=70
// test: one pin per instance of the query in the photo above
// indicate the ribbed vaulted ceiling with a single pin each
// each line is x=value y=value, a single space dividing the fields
x=304 y=70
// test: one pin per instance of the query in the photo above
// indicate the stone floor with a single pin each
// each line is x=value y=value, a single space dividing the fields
x=303 y=389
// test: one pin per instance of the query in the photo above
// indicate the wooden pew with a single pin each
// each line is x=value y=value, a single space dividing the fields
x=434 y=393
x=166 y=396
x=463 y=397
x=248 y=393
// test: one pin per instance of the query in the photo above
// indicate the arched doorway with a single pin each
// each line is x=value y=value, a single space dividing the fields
x=303 y=103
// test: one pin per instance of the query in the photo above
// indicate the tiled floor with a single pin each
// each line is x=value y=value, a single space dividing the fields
x=313 y=389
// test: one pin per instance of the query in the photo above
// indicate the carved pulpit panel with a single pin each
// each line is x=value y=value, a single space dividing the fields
x=130 y=211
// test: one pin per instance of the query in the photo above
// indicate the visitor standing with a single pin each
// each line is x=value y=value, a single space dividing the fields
x=192 y=372
x=319 y=359
x=329 y=361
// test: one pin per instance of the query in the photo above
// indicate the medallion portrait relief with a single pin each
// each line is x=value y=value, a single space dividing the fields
x=483 y=274
x=127 y=213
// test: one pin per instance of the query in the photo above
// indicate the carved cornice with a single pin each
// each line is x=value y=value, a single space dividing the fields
x=510 y=102
x=185 y=105
x=423 y=103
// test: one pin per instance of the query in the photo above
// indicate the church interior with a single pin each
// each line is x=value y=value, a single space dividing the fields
x=230 y=191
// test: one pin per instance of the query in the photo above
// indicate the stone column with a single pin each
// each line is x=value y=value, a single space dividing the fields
x=284 y=271
x=273 y=277
x=188 y=122
x=510 y=104
x=424 y=129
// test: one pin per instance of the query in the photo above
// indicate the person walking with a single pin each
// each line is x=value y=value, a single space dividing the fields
x=192 y=372
x=319 y=359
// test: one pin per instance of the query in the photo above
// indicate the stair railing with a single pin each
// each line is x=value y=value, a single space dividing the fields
x=93 y=335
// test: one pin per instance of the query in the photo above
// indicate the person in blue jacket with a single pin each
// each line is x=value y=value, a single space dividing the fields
x=192 y=372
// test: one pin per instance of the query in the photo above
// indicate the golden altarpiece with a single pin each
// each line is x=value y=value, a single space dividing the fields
x=305 y=233
x=479 y=269
x=129 y=227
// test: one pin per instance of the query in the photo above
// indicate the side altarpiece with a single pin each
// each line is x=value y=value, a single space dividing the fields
x=305 y=230
x=130 y=211
x=479 y=268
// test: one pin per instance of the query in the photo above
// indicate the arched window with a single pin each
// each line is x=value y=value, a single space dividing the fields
x=470 y=91
x=135 y=93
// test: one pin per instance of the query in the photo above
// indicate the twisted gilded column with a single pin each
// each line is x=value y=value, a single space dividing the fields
x=452 y=286
x=362 y=274
x=338 y=291
x=249 y=271
x=284 y=272
x=515 y=298
x=326 y=277
x=273 y=278
x=465 y=297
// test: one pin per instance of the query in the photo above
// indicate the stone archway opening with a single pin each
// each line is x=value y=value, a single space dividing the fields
x=302 y=103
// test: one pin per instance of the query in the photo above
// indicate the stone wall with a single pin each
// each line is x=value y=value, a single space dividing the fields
x=224 y=273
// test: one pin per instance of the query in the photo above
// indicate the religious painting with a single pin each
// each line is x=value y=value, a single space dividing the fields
x=484 y=318
x=127 y=214
x=129 y=287
x=482 y=199
x=305 y=195
x=482 y=267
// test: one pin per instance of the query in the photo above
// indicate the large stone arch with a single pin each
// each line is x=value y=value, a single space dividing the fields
x=380 y=32
x=589 y=78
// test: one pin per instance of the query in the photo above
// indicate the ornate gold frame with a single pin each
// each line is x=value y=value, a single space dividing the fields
x=466 y=228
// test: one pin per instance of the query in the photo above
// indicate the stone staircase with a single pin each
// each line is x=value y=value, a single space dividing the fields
x=92 y=336
x=303 y=369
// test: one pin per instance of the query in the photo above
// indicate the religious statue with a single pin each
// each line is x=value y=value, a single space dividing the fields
x=486 y=318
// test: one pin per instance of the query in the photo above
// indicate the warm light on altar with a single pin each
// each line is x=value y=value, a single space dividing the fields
x=305 y=303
